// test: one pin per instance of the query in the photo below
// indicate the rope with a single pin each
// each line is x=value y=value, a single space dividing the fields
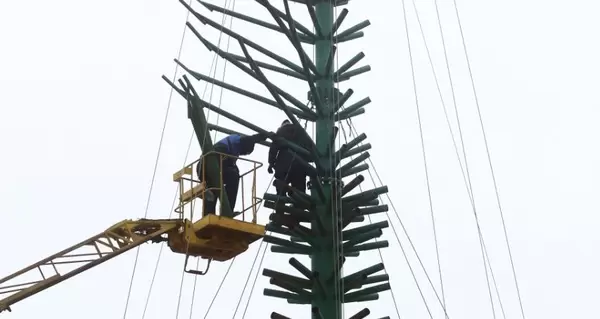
x=162 y=134
x=489 y=158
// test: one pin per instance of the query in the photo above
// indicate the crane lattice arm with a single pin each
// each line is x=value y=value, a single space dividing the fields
x=211 y=237
x=114 y=241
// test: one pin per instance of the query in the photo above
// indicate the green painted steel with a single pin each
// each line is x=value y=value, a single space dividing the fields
x=325 y=260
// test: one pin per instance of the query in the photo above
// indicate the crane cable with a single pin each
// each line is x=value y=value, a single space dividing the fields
x=258 y=250
x=466 y=177
x=215 y=137
x=261 y=259
x=489 y=157
x=162 y=134
x=400 y=243
x=156 y=165
x=215 y=59
x=339 y=257
x=371 y=222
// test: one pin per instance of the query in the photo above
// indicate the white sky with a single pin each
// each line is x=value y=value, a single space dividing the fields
x=82 y=105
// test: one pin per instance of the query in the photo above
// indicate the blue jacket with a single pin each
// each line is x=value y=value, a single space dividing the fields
x=236 y=145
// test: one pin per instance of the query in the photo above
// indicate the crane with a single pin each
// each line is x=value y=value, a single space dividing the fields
x=211 y=237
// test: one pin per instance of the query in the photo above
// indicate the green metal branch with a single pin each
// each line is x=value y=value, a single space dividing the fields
x=363 y=229
x=355 y=170
x=276 y=198
x=339 y=20
x=230 y=116
x=289 y=250
x=315 y=2
x=354 y=162
x=270 y=227
x=359 y=239
x=291 y=288
x=342 y=100
x=329 y=64
x=361 y=211
x=238 y=37
x=275 y=315
x=355 y=113
x=306 y=62
x=346 y=66
x=285 y=243
x=256 y=69
x=290 y=32
x=368 y=291
x=213 y=127
x=297 y=281
x=358 y=197
x=352 y=184
x=271 y=67
x=200 y=124
x=199 y=76
x=357 y=150
x=347 y=75
x=359 y=315
x=353 y=29
x=313 y=17
x=347 y=280
x=298 y=25
x=353 y=108
x=307 y=113
x=285 y=295
x=306 y=38
x=353 y=36
x=369 y=246
x=299 y=214
x=371 y=297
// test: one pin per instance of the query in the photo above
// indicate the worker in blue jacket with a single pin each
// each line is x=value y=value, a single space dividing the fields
x=234 y=145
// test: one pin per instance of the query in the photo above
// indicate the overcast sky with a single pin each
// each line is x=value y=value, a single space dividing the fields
x=82 y=105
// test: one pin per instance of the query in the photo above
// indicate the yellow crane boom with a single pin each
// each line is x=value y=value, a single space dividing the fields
x=212 y=237
x=91 y=252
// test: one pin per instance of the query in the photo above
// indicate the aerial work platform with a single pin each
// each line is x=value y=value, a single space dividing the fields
x=215 y=237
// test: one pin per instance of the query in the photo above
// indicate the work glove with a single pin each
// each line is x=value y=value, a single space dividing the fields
x=261 y=136
x=270 y=169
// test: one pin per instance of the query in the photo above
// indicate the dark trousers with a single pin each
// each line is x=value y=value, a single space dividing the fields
x=294 y=175
x=231 y=183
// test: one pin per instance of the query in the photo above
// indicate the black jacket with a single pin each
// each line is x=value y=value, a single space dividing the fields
x=280 y=156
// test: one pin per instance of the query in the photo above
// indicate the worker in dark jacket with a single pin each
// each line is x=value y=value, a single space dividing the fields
x=234 y=145
x=282 y=160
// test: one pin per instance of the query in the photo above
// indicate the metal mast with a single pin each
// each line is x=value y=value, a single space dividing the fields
x=312 y=224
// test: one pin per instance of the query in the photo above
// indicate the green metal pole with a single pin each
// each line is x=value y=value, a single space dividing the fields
x=325 y=260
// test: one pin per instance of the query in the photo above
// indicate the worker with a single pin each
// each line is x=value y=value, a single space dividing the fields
x=235 y=145
x=282 y=160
